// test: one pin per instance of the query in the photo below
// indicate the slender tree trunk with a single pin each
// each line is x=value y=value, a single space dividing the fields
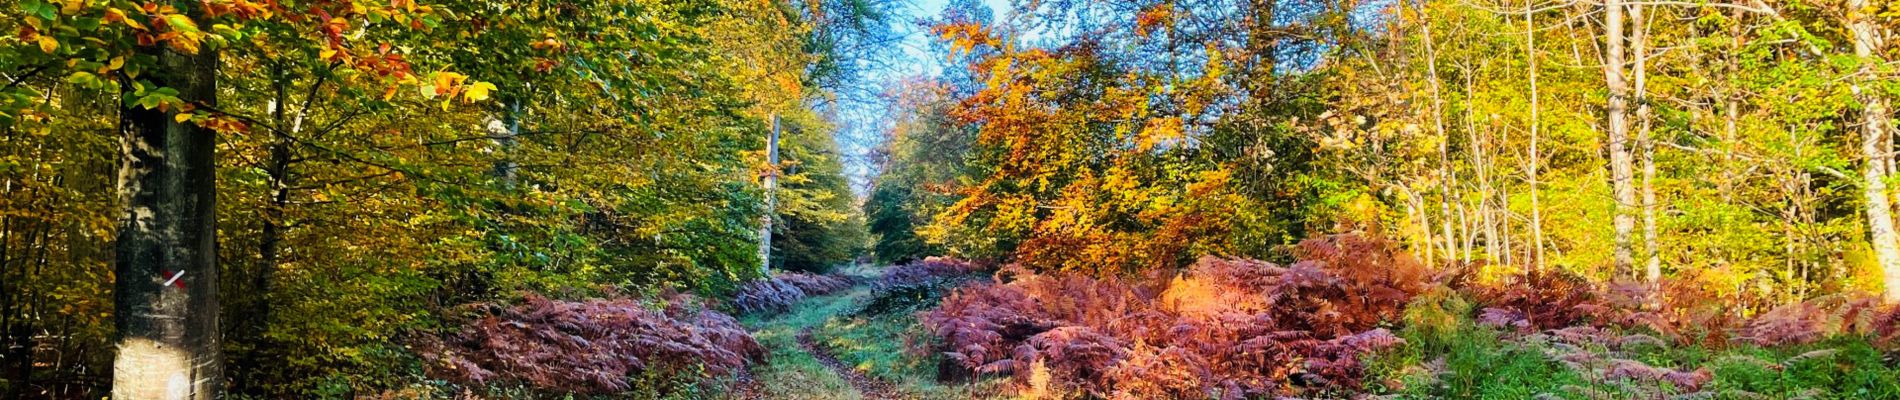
x=770 y=183
x=1875 y=123
x=1263 y=44
x=1537 y=211
x=255 y=324
x=506 y=131
x=1416 y=208
x=1621 y=165
x=1444 y=150
x=1652 y=266
x=1484 y=231
x=166 y=267
x=1507 y=244
x=11 y=285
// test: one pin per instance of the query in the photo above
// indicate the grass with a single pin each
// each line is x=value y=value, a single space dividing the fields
x=1483 y=363
x=793 y=373
x=873 y=332
x=882 y=339
x=886 y=346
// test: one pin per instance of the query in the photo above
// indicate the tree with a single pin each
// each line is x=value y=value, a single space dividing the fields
x=1876 y=123
x=167 y=292
x=1616 y=125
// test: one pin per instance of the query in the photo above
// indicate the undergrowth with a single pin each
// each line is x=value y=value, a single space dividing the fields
x=891 y=346
x=1356 y=317
x=793 y=373
x=593 y=347
x=1452 y=351
x=784 y=289
x=1228 y=328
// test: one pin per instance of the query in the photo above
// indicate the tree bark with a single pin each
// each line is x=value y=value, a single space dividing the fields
x=1537 y=213
x=1875 y=122
x=506 y=131
x=166 y=266
x=1621 y=165
x=1652 y=265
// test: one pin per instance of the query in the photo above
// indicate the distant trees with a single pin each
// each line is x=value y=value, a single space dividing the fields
x=1710 y=137
x=821 y=226
x=919 y=169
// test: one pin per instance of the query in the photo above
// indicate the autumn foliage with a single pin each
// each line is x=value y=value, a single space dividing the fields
x=1228 y=328
x=783 y=290
x=591 y=346
x=1680 y=311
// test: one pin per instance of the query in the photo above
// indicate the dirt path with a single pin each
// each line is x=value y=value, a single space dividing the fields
x=868 y=387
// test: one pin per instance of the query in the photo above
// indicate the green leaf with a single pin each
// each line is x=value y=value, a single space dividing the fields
x=81 y=78
x=149 y=102
x=40 y=8
x=181 y=23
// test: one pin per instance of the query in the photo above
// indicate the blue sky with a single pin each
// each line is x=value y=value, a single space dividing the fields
x=860 y=130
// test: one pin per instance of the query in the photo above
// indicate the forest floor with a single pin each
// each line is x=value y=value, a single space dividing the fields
x=794 y=372
x=866 y=343
x=824 y=349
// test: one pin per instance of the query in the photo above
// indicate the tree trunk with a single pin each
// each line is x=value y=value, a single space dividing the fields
x=255 y=324
x=770 y=182
x=1621 y=165
x=167 y=278
x=1652 y=266
x=1875 y=121
x=1537 y=213
x=1263 y=47
x=1444 y=150
x=506 y=131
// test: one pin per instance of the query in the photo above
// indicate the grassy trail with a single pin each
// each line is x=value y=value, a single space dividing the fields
x=867 y=387
x=795 y=372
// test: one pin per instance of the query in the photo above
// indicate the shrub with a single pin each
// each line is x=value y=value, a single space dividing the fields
x=1537 y=300
x=815 y=285
x=765 y=295
x=592 y=347
x=925 y=270
x=919 y=284
x=1822 y=317
x=905 y=299
x=784 y=290
x=1685 y=311
x=1228 y=328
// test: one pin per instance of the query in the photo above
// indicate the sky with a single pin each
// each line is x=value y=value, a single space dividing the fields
x=863 y=122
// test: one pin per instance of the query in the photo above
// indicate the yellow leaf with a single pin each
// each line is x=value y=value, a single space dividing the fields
x=115 y=63
x=48 y=44
x=326 y=53
x=182 y=117
x=72 y=7
x=478 y=91
x=446 y=80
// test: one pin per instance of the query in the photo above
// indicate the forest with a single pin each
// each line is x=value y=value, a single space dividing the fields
x=949 y=199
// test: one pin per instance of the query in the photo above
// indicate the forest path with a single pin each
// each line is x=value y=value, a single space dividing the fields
x=800 y=368
x=867 y=387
